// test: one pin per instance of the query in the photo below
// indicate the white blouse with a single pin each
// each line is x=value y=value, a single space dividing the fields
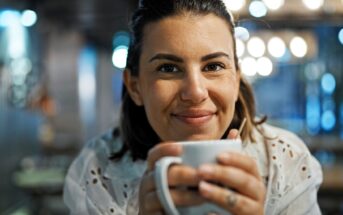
x=96 y=185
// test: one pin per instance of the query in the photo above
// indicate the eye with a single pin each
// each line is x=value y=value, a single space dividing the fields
x=168 y=68
x=214 y=67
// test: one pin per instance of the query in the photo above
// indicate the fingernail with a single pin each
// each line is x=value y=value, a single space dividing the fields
x=206 y=169
x=204 y=186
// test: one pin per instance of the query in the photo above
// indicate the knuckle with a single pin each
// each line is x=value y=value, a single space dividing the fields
x=248 y=182
x=174 y=175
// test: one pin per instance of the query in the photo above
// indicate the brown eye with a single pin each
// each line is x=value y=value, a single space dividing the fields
x=214 y=67
x=168 y=68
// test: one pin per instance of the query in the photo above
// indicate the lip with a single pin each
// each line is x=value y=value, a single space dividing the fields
x=194 y=117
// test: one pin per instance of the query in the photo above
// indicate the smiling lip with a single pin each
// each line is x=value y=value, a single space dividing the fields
x=194 y=117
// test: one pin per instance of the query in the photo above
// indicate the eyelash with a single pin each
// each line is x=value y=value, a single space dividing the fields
x=164 y=66
x=220 y=65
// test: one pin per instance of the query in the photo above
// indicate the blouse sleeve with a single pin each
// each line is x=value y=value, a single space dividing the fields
x=74 y=193
x=87 y=190
x=295 y=177
x=302 y=198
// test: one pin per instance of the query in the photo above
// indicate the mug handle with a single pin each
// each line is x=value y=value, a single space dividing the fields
x=162 y=188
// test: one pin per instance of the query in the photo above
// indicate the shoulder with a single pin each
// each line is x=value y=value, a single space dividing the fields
x=287 y=148
x=87 y=190
x=94 y=154
x=284 y=142
x=293 y=172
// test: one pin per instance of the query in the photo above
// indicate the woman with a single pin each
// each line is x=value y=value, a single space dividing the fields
x=183 y=82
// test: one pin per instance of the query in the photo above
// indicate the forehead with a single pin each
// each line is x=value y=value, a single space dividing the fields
x=187 y=34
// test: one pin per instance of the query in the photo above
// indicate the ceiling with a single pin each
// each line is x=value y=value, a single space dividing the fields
x=98 y=20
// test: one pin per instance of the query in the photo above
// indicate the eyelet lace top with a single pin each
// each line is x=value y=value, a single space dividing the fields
x=96 y=185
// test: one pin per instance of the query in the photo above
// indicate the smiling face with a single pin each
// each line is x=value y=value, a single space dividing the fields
x=187 y=79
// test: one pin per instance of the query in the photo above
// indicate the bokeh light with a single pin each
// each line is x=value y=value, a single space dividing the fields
x=276 y=47
x=298 y=47
x=28 y=18
x=328 y=120
x=119 y=56
x=249 y=66
x=312 y=71
x=340 y=36
x=9 y=17
x=313 y=4
x=240 y=48
x=274 y=4
x=328 y=83
x=234 y=5
x=242 y=33
x=257 y=9
x=256 y=47
x=264 y=66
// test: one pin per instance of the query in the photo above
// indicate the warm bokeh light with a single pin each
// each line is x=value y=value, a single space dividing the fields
x=249 y=66
x=276 y=47
x=257 y=9
x=264 y=66
x=234 y=5
x=256 y=47
x=274 y=4
x=28 y=18
x=313 y=4
x=240 y=48
x=298 y=47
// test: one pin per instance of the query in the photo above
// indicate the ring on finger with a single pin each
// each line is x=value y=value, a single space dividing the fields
x=231 y=198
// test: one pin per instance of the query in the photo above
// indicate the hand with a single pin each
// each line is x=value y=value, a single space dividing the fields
x=246 y=192
x=179 y=176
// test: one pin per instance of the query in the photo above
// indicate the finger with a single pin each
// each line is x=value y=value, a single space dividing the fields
x=240 y=161
x=235 y=178
x=162 y=150
x=183 y=175
x=152 y=203
x=233 y=134
x=182 y=198
x=148 y=182
x=230 y=200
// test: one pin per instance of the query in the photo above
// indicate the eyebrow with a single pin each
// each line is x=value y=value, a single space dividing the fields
x=175 y=58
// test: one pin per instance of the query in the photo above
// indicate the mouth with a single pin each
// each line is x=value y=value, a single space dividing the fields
x=194 y=117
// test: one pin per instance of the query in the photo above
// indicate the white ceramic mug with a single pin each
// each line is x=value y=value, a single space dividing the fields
x=195 y=153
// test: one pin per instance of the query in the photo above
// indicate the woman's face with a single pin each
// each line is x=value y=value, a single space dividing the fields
x=187 y=80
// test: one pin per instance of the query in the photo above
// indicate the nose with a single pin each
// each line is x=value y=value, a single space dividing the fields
x=194 y=88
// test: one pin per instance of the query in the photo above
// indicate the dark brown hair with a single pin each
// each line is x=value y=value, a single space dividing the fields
x=136 y=132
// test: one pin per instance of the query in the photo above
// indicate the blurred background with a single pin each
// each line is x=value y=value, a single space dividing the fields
x=60 y=82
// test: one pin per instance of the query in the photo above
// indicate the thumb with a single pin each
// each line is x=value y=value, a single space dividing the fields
x=233 y=134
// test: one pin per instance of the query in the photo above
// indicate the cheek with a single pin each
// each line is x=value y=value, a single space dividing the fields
x=158 y=98
x=227 y=92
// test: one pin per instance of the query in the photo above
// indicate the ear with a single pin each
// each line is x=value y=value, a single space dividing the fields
x=132 y=86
